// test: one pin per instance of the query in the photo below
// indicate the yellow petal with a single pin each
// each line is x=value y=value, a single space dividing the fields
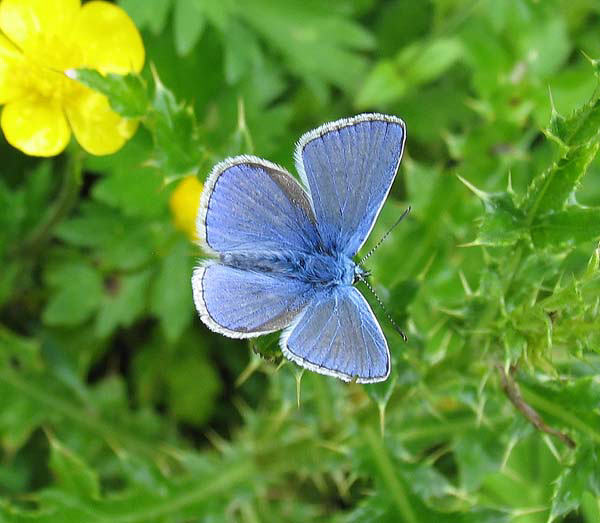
x=108 y=39
x=10 y=62
x=24 y=21
x=184 y=202
x=36 y=127
x=97 y=127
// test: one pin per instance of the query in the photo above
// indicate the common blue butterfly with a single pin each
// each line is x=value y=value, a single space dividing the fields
x=284 y=251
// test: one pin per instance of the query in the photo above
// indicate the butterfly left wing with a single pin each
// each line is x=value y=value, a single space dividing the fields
x=338 y=335
x=349 y=166
x=251 y=205
x=244 y=304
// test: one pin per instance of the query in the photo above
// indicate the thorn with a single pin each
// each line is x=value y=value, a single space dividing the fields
x=482 y=195
x=465 y=283
x=595 y=63
x=552 y=106
x=509 y=186
x=253 y=365
x=381 y=408
x=421 y=276
x=298 y=376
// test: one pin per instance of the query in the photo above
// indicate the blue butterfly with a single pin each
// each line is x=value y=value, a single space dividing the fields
x=285 y=252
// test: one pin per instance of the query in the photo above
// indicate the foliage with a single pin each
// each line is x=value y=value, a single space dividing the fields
x=117 y=404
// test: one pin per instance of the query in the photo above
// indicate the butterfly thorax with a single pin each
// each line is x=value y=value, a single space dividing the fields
x=321 y=269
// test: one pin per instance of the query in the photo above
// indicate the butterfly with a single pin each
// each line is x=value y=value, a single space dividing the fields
x=283 y=251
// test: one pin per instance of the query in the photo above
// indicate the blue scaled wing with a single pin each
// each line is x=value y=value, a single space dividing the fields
x=349 y=166
x=251 y=205
x=243 y=304
x=338 y=335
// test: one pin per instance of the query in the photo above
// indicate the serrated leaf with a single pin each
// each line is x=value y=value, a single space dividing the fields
x=127 y=94
x=579 y=128
x=551 y=190
x=302 y=31
x=568 y=227
x=502 y=224
x=267 y=347
x=178 y=148
x=583 y=476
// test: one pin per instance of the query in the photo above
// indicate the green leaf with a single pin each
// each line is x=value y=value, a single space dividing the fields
x=318 y=44
x=192 y=387
x=583 y=476
x=503 y=223
x=178 y=148
x=77 y=295
x=423 y=62
x=171 y=298
x=242 y=53
x=123 y=303
x=188 y=24
x=383 y=84
x=72 y=474
x=136 y=191
x=550 y=190
x=415 y=65
x=566 y=228
x=148 y=14
x=478 y=454
x=127 y=94
x=579 y=128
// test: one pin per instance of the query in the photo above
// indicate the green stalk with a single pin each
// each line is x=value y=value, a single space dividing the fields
x=390 y=478
x=65 y=201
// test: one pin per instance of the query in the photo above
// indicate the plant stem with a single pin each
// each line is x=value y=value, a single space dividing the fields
x=65 y=200
x=393 y=484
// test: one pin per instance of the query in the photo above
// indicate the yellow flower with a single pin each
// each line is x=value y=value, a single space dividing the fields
x=184 y=203
x=39 y=41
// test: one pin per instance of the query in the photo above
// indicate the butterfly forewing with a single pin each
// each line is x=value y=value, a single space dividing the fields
x=252 y=205
x=349 y=167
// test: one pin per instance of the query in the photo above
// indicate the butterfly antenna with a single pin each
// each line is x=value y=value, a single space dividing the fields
x=387 y=314
x=385 y=236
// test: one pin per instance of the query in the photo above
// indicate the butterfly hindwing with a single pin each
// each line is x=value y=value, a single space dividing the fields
x=243 y=304
x=349 y=166
x=251 y=205
x=338 y=335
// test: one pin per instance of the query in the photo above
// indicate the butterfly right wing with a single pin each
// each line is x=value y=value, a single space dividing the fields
x=251 y=205
x=244 y=304
x=338 y=335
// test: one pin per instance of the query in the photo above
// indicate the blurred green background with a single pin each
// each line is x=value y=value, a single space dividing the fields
x=118 y=405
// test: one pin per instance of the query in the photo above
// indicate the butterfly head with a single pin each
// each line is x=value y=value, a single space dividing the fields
x=360 y=274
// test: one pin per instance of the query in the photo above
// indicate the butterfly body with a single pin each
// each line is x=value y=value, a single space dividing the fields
x=318 y=269
x=284 y=250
